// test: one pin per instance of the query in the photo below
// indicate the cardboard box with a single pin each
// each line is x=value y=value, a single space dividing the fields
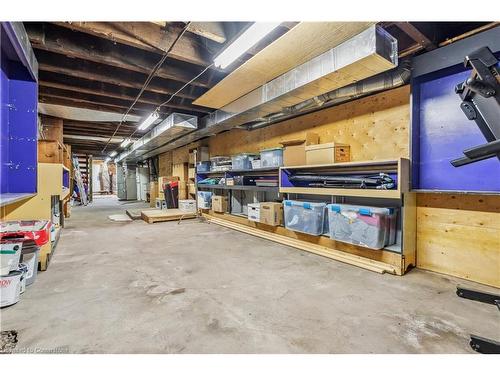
x=294 y=152
x=271 y=213
x=219 y=203
x=254 y=212
x=328 y=153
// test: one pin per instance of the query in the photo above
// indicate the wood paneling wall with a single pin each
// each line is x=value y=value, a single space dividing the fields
x=459 y=235
x=376 y=127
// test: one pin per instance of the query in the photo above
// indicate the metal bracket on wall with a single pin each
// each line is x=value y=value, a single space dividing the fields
x=478 y=343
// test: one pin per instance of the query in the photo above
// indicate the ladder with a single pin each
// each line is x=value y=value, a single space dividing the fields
x=79 y=181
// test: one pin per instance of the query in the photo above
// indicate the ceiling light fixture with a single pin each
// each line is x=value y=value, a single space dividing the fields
x=244 y=42
x=113 y=154
x=147 y=123
x=107 y=160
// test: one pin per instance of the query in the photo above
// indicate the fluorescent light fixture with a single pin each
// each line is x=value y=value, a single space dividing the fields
x=107 y=160
x=147 y=123
x=113 y=154
x=244 y=42
x=125 y=143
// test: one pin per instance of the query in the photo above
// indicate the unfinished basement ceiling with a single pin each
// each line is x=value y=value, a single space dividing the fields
x=91 y=72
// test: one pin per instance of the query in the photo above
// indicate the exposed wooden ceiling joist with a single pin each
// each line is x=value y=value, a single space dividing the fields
x=210 y=30
x=113 y=102
x=146 y=98
x=103 y=73
x=416 y=35
x=101 y=88
x=147 y=36
x=107 y=53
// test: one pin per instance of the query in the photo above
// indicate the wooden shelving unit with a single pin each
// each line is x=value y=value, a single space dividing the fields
x=399 y=167
x=394 y=259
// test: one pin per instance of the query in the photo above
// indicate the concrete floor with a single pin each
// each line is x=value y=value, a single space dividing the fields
x=200 y=288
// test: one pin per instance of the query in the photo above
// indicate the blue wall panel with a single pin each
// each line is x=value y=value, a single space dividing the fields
x=442 y=132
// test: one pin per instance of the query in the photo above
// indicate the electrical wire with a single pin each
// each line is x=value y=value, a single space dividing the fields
x=148 y=81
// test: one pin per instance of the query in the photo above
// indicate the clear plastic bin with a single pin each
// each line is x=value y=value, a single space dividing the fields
x=272 y=157
x=220 y=163
x=372 y=227
x=203 y=166
x=205 y=199
x=305 y=217
x=243 y=161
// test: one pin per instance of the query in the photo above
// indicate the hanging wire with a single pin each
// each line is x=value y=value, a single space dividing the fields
x=147 y=82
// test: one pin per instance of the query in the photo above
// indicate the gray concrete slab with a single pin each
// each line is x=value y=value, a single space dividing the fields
x=132 y=287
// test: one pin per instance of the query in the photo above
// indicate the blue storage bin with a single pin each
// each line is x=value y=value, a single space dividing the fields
x=372 y=227
x=305 y=217
x=272 y=157
x=203 y=166
x=243 y=161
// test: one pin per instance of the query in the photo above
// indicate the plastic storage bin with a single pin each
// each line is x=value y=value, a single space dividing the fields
x=10 y=288
x=10 y=254
x=272 y=157
x=205 y=199
x=220 y=163
x=203 y=166
x=29 y=256
x=305 y=217
x=372 y=227
x=243 y=161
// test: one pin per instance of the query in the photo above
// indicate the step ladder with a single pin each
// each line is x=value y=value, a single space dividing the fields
x=79 y=181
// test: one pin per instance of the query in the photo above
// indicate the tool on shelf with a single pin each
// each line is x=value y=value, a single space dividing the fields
x=381 y=181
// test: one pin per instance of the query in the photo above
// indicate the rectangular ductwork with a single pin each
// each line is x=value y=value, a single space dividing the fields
x=369 y=53
x=171 y=128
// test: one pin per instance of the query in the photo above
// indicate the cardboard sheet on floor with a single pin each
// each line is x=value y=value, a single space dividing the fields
x=119 y=217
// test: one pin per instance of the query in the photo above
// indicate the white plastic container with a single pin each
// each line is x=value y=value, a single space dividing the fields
x=305 y=217
x=10 y=288
x=10 y=253
x=29 y=256
x=254 y=212
x=187 y=205
x=272 y=157
x=372 y=227
x=256 y=164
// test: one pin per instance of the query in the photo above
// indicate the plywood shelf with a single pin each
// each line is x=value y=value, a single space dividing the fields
x=272 y=189
x=399 y=167
x=369 y=193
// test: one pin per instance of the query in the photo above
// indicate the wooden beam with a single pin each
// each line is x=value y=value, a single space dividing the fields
x=53 y=63
x=122 y=102
x=416 y=35
x=147 y=36
x=146 y=98
x=210 y=30
x=100 y=88
x=69 y=102
x=104 y=52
